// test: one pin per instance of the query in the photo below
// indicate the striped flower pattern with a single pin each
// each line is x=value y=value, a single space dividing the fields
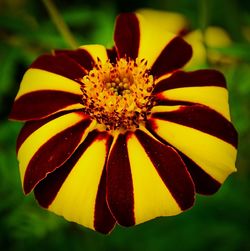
x=123 y=135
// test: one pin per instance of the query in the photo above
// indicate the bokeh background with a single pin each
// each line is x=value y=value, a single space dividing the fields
x=218 y=223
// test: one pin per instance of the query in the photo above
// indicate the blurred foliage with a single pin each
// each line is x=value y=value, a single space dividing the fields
x=219 y=223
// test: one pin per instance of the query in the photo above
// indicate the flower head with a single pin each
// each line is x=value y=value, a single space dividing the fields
x=123 y=135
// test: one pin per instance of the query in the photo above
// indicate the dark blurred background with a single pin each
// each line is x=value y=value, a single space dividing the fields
x=218 y=223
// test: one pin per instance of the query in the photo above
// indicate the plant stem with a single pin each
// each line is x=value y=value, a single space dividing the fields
x=60 y=24
x=204 y=8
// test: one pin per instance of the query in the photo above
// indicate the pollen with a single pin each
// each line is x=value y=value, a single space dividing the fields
x=118 y=96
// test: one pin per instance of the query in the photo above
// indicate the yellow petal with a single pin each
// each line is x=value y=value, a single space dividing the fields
x=170 y=21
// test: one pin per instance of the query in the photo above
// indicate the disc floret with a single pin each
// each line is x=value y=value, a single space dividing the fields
x=118 y=95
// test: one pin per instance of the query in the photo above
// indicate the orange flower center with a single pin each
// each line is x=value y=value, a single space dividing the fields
x=118 y=95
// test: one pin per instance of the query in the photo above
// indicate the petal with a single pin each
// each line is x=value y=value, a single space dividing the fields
x=96 y=51
x=181 y=79
x=43 y=93
x=77 y=189
x=119 y=183
x=81 y=56
x=59 y=64
x=73 y=64
x=170 y=21
x=135 y=36
x=217 y=37
x=32 y=126
x=201 y=134
x=204 y=183
x=104 y=221
x=196 y=40
x=198 y=117
x=151 y=180
x=40 y=151
x=112 y=54
x=206 y=87
x=174 y=55
x=127 y=35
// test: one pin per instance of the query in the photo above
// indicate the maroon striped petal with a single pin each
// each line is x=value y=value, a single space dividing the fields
x=119 y=183
x=175 y=55
x=127 y=35
x=47 y=189
x=170 y=168
x=197 y=78
x=40 y=104
x=81 y=56
x=103 y=220
x=32 y=126
x=203 y=119
x=204 y=183
x=61 y=65
x=53 y=154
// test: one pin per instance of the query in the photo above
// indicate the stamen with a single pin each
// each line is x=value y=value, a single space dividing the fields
x=118 y=95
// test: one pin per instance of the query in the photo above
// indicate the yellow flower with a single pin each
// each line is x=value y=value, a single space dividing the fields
x=123 y=135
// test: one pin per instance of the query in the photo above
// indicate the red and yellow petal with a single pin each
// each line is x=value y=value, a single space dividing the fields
x=43 y=147
x=97 y=52
x=206 y=139
x=44 y=93
x=120 y=194
x=146 y=179
x=127 y=35
x=59 y=64
x=135 y=36
x=77 y=189
x=206 y=87
x=81 y=56
x=204 y=183
x=72 y=64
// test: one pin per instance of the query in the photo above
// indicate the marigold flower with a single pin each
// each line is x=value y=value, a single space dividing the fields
x=123 y=135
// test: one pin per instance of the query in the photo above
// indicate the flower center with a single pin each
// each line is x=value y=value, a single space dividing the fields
x=118 y=95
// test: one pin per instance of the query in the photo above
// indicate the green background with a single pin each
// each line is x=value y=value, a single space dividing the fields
x=219 y=222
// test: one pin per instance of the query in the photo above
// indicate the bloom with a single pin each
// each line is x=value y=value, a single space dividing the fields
x=123 y=135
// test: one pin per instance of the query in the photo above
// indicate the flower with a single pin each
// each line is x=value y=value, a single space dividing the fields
x=123 y=135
